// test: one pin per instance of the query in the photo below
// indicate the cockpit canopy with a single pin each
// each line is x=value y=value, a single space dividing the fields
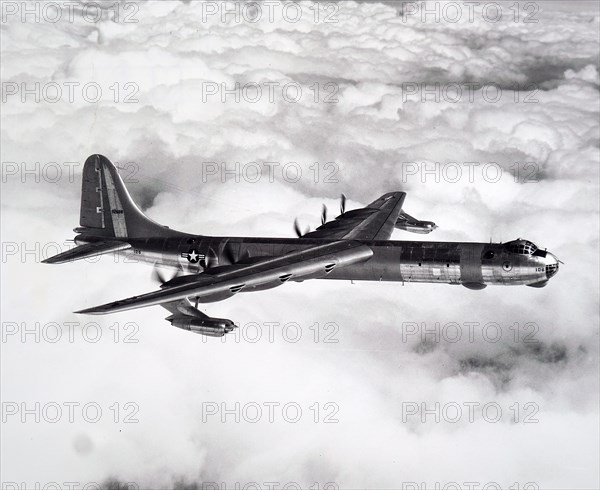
x=521 y=247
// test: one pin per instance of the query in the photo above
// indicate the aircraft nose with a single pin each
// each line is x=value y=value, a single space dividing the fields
x=551 y=265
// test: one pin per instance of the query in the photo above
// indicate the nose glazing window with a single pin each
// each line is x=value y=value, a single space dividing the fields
x=551 y=269
x=521 y=247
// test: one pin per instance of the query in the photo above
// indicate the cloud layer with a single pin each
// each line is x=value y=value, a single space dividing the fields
x=517 y=99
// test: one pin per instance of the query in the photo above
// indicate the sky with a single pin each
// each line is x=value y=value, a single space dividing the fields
x=233 y=120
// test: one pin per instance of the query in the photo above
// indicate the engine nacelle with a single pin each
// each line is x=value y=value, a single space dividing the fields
x=422 y=227
x=212 y=327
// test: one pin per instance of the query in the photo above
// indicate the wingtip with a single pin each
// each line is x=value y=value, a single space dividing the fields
x=88 y=311
x=53 y=260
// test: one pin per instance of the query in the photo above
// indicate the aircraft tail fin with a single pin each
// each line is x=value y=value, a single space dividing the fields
x=107 y=210
x=108 y=216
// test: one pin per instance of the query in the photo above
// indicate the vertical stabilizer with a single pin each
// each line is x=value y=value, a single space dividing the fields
x=107 y=209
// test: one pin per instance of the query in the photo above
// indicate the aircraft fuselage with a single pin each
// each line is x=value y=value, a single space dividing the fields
x=474 y=265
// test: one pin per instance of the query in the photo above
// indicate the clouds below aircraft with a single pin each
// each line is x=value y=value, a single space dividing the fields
x=381 y=137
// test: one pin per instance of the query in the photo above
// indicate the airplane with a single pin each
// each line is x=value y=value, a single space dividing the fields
x=355 y=245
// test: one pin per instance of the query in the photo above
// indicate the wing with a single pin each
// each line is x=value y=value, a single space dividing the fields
x=310 y=263
x=374 y=222
x=87 y=250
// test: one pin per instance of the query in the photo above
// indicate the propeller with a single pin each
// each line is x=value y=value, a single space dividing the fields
x=228 y=253
x=298 y=230
x=211 y=259
x=342 y=204
x=158 y=276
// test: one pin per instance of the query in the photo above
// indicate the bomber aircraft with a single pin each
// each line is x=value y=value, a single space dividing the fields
x=355 y=245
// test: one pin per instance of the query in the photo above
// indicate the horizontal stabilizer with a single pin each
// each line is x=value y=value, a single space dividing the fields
x=87 y=250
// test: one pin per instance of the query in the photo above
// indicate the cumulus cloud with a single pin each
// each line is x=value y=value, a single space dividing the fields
x=394 y=102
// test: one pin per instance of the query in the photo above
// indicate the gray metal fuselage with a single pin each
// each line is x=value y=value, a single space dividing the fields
x=473 y=265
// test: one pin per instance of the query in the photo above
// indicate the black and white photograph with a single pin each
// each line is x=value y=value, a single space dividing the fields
x=409 y=191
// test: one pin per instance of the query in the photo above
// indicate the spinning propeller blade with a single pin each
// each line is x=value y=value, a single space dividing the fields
x=342 y=204
x=297 y=229
x=158 y=276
